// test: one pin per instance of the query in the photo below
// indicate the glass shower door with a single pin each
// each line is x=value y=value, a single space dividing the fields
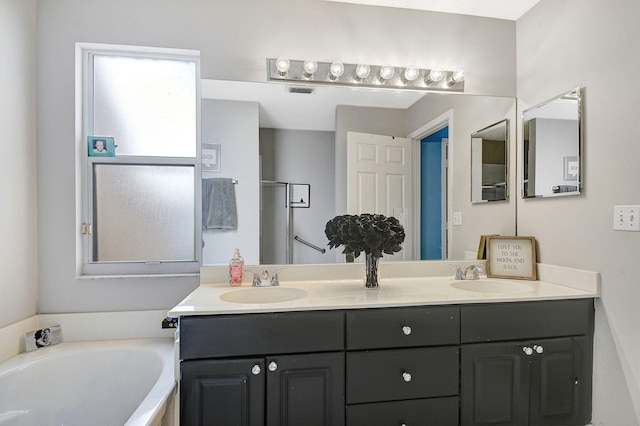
x=275 y=223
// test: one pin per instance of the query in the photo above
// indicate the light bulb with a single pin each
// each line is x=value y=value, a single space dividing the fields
x=457 y=77
x=310 y=67
x=336 y=70
x=387 y=72
x=435 y=75
x=410 y=74
x=363 y=71
x=282 y=65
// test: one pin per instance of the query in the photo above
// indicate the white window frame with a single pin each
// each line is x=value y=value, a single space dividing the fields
x=84 y=169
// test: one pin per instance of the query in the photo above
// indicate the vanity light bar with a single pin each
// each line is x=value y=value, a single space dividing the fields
x=282 y=69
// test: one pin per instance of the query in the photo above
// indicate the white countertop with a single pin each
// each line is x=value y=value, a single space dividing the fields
x=429 y=286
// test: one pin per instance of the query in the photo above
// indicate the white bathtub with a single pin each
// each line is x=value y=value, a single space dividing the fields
x=119 y=382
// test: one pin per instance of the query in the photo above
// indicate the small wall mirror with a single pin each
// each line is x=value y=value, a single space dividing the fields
x=552 y=147
x=489 y=160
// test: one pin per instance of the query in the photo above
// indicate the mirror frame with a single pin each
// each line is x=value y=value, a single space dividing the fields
x=506 y=162
x=577 y=93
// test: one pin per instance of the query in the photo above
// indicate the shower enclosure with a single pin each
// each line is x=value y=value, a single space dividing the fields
x=275 y=223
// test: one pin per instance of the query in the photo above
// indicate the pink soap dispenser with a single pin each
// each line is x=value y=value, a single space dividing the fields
x=235 y=269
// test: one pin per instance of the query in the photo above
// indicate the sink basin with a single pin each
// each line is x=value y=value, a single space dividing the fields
x=263 y=295
x=492 y=286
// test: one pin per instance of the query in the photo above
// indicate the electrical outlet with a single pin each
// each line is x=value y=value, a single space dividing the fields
x=626 y=218
x=457 y=218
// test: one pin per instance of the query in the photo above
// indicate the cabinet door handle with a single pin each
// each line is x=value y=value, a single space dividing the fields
x=538 y=349
x=273 y=366
x=256 y=370
x=406 y=376
x=527 y=350
x=406 y=330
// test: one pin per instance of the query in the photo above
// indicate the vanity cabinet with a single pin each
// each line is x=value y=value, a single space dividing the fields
x=262 y=369
x=534 y=365
x=402 y=366
x=515 y=363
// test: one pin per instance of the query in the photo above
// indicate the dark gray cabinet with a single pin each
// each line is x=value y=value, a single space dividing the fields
x=292 y=375
x=542 y=380
x=476 y=364
x=222 y=392
x=402 y=366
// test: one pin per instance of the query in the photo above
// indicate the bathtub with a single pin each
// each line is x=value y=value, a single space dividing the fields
x=119 y=382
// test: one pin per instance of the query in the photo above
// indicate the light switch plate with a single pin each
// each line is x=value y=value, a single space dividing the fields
x=626 y=218
x=457 y=218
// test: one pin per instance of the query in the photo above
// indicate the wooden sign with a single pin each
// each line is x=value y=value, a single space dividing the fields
x=511 y=257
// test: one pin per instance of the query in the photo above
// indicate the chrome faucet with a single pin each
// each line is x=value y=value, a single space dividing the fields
x=475 y=271
x=463 y=274
x=263 y=279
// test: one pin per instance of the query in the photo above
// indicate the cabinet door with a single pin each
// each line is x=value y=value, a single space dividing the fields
x=222 y=392
x=561 y=381
x=305 y=389
x=495 y=384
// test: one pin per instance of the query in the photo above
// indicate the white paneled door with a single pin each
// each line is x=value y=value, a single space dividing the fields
x=379 y=180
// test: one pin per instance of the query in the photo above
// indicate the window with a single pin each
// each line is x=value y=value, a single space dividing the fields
x=140 y=207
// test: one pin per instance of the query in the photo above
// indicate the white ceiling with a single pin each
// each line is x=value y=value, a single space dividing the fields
x=500 y=9
x=280 y=109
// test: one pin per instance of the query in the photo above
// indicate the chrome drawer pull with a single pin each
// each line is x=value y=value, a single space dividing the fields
x=256 y=370
x=406 y=377
x=527 y=350
x=406 y=330
x=273 y=366
x=538 y=349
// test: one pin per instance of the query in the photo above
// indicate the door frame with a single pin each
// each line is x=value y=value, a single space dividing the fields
x=443 y=120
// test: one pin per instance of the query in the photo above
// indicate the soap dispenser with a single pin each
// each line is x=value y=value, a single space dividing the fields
x=235 y=269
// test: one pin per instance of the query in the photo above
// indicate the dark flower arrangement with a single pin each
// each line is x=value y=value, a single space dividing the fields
x=373 y=234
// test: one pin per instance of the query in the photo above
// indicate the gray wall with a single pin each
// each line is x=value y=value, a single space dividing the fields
x=305 y=157
x=594 y=44
x=18 y=216
x=234 y=125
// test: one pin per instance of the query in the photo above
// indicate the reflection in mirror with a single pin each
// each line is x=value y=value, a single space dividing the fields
x=270 y=135
x=489 y=163
x=552 y=147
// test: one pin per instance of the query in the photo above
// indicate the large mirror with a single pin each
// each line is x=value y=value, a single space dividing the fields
x=274 y=134
x=552 y=147
x=490 y=163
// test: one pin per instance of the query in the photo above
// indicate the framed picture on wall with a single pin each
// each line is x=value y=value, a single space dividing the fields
x=210 y=157
x=571 y=168
x=101 y=146
x=300 y=195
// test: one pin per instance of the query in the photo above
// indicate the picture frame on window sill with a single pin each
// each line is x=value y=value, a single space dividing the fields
x=511 y=257
x=101 y=146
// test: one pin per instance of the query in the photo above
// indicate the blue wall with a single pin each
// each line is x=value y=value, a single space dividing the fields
x=431 y=195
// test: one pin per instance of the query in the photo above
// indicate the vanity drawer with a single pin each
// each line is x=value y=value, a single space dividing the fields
x=374 y=376
x=215 y=336
x=525 y=320
x=432 y=411
x=403 y=327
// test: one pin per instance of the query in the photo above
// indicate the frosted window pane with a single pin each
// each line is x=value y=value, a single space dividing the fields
x=149 y=105
x=143 y=213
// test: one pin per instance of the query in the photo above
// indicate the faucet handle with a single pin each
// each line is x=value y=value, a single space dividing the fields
x=475 y=269
x=459 y=272
x=256 y=278
x=274 y=279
